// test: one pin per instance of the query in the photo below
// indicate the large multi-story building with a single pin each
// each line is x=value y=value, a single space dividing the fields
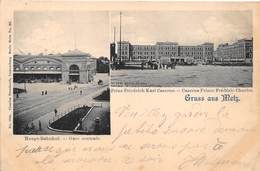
x=123 y=50
x=73 y=66
x=142 y=52
x=240 y=51
x=164 y=50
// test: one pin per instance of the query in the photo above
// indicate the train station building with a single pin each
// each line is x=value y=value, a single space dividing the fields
x=72 y=66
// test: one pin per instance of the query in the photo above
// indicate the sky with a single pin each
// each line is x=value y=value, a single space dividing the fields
x=184 y=27
x=58 y=32
x=92 y=31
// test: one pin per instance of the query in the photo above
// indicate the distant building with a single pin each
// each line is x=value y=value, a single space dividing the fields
x=142 y=52
x=73 y=66
x=102 y=65
x=112 y=51
x=240 y=51
x=123 y=51
x=164 y=50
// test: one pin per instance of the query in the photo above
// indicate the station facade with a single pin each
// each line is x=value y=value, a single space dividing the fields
x=129 y=52
x=72 y=66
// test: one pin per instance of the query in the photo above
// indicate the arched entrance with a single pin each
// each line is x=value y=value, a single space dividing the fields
x=74 y=73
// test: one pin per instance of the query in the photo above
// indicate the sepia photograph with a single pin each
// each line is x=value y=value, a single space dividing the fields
x=181 y=49
x=61 y=73
x=129 y=86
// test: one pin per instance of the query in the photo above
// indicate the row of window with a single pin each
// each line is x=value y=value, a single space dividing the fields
x=196 y=48
x=124 y=57
x=39 y=68
x=167 y=48
x=41 y=62
x=175 y=54
x=173 y=48
x=123 y=47
x=145 y=53
x=124 y=53
x=144 y=48
x=234 y=47
x=198 y=53
x=143 y=57
x=231 y=54
x=167 y=53
x=235 y=50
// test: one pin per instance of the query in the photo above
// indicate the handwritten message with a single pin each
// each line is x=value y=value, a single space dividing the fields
x=189 y=139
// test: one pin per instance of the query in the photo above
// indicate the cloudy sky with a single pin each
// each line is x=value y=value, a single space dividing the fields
x=184 y=27
x=58 y=32
x=53 y=32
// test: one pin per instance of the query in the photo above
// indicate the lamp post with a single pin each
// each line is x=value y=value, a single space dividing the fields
x=25 y=86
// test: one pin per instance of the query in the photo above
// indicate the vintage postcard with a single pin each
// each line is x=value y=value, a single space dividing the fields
x=128 y=86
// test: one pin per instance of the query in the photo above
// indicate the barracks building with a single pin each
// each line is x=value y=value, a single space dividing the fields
x=238 y=52
x=171 y=50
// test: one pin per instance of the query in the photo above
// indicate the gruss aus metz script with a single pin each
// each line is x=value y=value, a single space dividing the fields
x=222 y=98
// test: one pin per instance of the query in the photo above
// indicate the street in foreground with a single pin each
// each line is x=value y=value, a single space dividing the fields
x=34 y=112
x=185 y=76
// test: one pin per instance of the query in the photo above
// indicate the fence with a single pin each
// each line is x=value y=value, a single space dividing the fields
x=67 y=111
x=31 y=126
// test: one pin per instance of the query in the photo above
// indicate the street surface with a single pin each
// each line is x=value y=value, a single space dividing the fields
x=33 y=106
x=185 y=76
x=100 y=112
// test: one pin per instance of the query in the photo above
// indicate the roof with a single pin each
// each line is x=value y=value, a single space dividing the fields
x=166 y=43
x=24 y=58
x=127 y=42
x=75 y=52
x=70 y=53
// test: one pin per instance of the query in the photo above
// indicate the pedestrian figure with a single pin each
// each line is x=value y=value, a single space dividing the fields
x=17 y=95
x=40 y=125
x=80 y=124
x=42 y=93
x=27 y=127
x=55 y=111
x=142 y=66
x=32 y=126
x=45 y=92
x=80 y=92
